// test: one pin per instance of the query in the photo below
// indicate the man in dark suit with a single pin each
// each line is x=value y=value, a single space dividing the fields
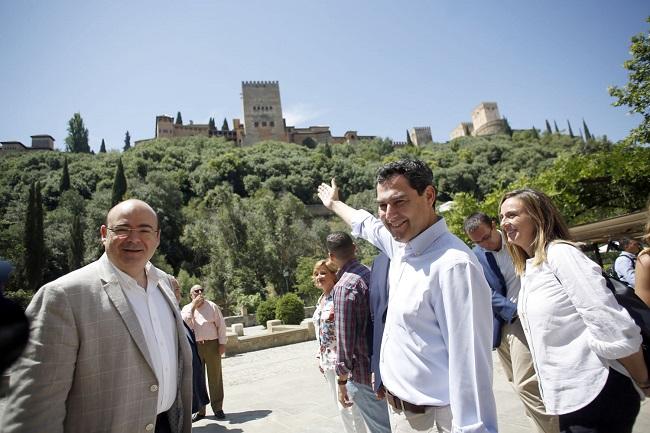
x=378 y=298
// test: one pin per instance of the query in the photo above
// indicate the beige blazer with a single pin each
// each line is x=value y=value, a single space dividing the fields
x=87 y=368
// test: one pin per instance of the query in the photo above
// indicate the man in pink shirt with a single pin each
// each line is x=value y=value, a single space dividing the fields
x=206 y=320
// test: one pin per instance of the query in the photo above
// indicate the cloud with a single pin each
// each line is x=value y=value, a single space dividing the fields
x=300 y=114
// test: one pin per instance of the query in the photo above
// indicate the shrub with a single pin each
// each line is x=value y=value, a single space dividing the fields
x=290 y=309
x=266 y=311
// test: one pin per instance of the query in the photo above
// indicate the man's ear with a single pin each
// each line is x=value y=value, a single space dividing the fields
x=103 y=231
x=431 y=194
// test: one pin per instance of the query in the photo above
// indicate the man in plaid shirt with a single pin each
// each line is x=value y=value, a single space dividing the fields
x=354 y=333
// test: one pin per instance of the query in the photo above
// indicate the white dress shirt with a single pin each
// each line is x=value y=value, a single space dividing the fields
x=159 y=328
x=574 y=326
x=436 y=347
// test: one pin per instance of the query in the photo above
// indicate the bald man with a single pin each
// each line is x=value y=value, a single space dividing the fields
x=107 y=350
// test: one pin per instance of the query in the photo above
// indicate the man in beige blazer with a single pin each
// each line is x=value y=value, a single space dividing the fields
x=107 y=350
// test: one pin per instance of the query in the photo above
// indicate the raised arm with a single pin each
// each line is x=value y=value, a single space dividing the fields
x=329 y=195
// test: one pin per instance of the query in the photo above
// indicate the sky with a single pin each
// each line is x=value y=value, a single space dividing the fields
x=375 y=66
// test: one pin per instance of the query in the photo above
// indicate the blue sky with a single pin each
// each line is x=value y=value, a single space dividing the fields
x=375 y=66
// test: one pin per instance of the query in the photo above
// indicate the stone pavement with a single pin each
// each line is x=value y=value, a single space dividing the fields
x=280 y=390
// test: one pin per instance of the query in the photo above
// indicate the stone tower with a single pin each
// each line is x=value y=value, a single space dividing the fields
x=262 y=112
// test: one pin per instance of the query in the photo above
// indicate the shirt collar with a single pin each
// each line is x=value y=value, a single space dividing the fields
x=421 y=242
x=347 y=266
x=149 y=269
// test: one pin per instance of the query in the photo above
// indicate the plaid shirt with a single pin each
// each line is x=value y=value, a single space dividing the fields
x=352 y=318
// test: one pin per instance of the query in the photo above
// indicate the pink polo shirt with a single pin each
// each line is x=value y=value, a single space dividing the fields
x=208 y=323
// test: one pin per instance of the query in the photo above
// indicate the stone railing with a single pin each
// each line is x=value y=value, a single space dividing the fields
x=276 y=334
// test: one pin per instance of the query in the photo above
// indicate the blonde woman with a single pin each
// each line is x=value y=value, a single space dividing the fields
x=585 y=346
x=324 y=276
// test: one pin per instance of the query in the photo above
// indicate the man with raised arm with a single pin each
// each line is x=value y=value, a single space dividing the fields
x=435 y=362
x=107 y=350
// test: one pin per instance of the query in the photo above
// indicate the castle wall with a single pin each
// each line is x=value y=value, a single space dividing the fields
x=420 y=135
x=485 y=112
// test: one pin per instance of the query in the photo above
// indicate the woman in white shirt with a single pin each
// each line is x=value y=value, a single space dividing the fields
x=585 y=346
x=324 y=276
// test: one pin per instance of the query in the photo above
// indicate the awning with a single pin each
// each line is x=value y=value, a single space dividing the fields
x=626 y=226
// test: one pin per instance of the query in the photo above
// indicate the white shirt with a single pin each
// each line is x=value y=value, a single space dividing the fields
x=575 y=329
x=624 y=267
x=436 y=347
x=159 y=328
x=507 y=268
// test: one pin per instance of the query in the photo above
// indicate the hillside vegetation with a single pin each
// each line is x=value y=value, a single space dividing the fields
x=235 y=219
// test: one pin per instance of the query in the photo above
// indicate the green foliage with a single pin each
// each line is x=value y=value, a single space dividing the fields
x=179 y=118
x=636 y=93
x=34 y=242
x=119 y=184
x=77 y=139
x=304 y=282
x=127 y=141
x=570 y=130
x=585 y=128
x=64 y=185
x=102 y=148
x=290 y=309
x=548 y=127
x=211 y=125
x=224 y=126
x=76 y=252
x=266 y=311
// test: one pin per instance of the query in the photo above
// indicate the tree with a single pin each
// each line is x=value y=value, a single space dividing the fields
x=64 y=184
x=557 y=131
x=408 y=138
x=535 y=133
x=570 y=130
x=211 y=125
x=224 y=126
x=127 y=141
x=636 y=93
x=179 y=118
x=548 y=127
x=77 y=139
x=588 y=135
x=34 y=241
x=102 y=148
x=508 y=129
x=76 y=251
x=119 y=184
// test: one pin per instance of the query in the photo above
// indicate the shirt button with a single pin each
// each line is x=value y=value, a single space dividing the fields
x=149 y=427
x=153 y=388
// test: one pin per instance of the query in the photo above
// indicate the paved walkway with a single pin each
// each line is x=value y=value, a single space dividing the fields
x=280 y=390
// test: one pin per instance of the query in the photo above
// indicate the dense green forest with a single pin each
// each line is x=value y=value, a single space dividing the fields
x=237 y=219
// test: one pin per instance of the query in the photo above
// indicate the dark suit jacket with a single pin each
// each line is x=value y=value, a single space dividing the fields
x=503 y=309
x=199 y=390
x=378 y=305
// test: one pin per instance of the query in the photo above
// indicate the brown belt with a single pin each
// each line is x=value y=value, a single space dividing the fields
x=399 y=404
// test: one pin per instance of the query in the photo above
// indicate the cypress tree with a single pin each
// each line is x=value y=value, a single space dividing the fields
x=570 y=130
x=224 y=127
x=64 y=184
x=548 y=128
x=535 y=133
x=102 y=148
x=76 y=243
x=119 y=184
x=127 y=141
x=179 y=118
x=34 y=240
x=408 y=138
x=588 y=135
x=508 y=129
x=557 y=131
x=211 y=125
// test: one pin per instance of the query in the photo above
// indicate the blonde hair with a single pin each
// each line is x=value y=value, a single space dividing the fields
x=549 y=226
x=328 y=264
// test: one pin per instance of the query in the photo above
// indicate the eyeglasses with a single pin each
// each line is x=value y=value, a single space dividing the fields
x=198 y=291
x=125 y=232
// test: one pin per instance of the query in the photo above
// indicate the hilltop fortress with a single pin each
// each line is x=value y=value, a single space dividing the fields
x=263 y=120
x=485 y=121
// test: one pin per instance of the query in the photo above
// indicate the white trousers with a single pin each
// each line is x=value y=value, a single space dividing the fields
x=351 y=417
x=435 y=417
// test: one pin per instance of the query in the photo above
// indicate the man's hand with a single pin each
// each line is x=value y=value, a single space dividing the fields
x=222 y=349
x=197 y=301
x=328 y=193
x=343 y=396
x=381 y=393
